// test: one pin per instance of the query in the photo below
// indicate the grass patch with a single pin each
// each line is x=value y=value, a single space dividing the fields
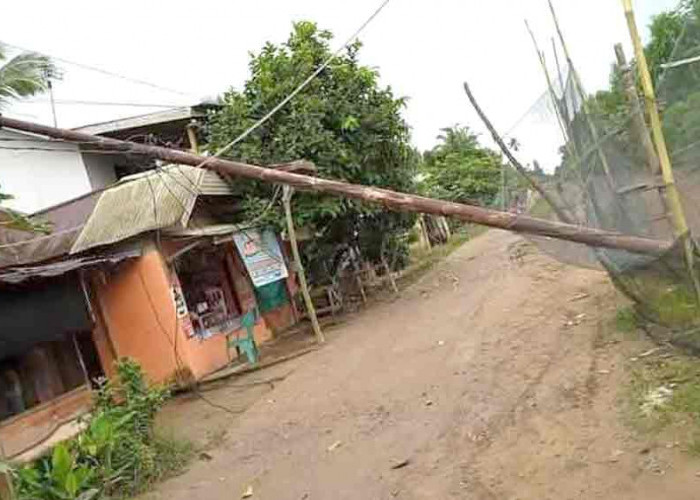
x=173 y=455
x=664 y=397
x=626 y=320
x=117 y=455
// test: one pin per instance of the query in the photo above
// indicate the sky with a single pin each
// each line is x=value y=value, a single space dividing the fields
x=423 y=49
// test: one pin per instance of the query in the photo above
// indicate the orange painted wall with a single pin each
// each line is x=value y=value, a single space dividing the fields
x=281 y=318
x=139 y=311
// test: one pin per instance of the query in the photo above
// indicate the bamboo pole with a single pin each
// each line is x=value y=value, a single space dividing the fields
x=674 y=201
x=550 y=88
x=579 y=89
x=192 y=137
x=680 y=224
x=393 y=200
x=287 y=202
x=637 y=111
x=639 y=125
x=556 y=206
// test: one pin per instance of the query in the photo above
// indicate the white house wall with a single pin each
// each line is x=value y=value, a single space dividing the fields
x=40 y=173
x=100 y=169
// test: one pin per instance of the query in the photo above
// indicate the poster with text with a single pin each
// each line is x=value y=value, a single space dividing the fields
x=261 y=255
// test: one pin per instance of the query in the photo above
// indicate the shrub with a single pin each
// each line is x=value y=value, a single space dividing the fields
x=116 y=455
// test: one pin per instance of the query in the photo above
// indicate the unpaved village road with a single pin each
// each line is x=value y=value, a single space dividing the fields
x=487 y=379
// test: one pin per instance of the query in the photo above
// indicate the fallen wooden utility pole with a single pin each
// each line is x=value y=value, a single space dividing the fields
x=393 y=200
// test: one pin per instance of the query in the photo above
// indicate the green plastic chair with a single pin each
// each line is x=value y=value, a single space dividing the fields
x=247 y=343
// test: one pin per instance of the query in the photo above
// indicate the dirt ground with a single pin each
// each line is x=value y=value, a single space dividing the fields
x=492 y=377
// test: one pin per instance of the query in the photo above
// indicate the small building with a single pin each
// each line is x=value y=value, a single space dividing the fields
x=42 y=173
x=147 y=268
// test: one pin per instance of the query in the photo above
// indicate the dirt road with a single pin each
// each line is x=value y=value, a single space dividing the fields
x=488 y=379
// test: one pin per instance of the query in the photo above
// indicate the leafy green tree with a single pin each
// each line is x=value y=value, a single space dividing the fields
x=460 y=169
x=349 y=126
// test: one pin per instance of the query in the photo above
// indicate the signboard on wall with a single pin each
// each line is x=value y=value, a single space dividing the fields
x=261 y=255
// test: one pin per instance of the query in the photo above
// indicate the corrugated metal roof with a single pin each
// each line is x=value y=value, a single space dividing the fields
x=153 y=200
x=212 y=184
x=19 y=274
x=157 y=199
x=67 y=221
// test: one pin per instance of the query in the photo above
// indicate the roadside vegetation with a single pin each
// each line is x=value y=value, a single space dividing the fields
x=663 y=398
x=117 y=455
x=661 y=393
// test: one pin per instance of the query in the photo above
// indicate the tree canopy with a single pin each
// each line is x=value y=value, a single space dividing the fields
x=344 y=121
x=23 y=75
x=460 y=169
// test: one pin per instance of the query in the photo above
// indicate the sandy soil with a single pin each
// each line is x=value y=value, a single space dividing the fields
x=493 y=377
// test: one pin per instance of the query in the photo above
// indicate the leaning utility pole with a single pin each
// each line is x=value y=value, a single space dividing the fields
x=559 y=210
x=393 y=200
x=287 y=202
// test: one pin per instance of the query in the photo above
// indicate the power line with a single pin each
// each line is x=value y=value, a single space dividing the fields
x=301 y=87
x=79 y=102
x=100 y=70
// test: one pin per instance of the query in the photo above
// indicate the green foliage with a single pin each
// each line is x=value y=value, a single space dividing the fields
x=677 y=416
x=626 y=320
x=23 y=75
x=117 y=454
x=665 y=29
x=459 y=169
x=343 y=121
x=12 y=219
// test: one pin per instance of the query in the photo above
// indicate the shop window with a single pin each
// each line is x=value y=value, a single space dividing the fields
x=211 y=301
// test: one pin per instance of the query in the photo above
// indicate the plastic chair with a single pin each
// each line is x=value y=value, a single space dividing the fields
x=247 y=343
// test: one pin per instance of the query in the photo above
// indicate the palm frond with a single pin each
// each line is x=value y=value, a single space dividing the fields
x=24 y=75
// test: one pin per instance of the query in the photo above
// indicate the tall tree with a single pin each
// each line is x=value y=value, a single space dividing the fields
x=460 y=169
x=343 y=121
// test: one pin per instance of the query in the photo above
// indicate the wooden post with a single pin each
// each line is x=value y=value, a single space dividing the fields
x=358 y=277
x=286 y=200
x=503 y=187
x=425 y=237
x=192 y=137
x=390 y=275
x=7 y=491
